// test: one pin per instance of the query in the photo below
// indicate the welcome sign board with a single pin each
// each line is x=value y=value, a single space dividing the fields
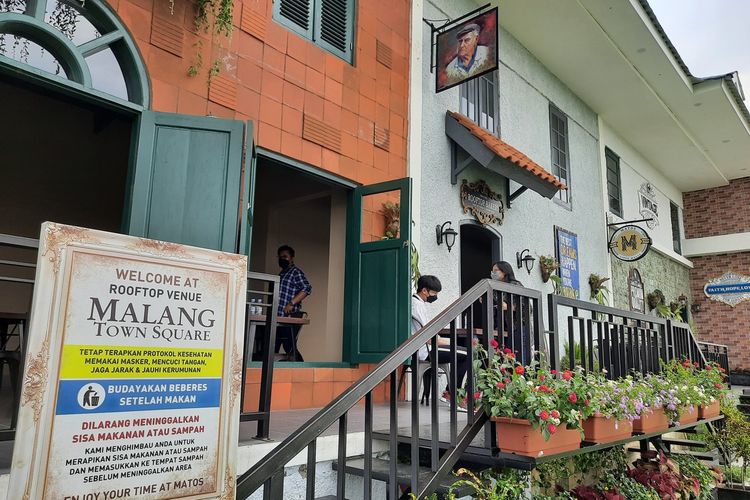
x=132 y=377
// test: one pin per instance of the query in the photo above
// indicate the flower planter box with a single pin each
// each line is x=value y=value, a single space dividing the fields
x=650 y=422
x=519 y=437
x=599 y=429
x=710 y=411
x=689 y=415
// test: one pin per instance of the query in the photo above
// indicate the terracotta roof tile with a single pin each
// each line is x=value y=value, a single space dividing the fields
x=506 y=151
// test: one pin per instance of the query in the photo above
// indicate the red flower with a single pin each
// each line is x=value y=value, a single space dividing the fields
x=507 y=351
x=543 y=388
x=477 y=395
x=552 y=428
x=722 y=370
x=519 y=370
x=586 y=402
x=494 y=343
x=555 y=414
x=503 y=370
x=544 y=415
x=567 y=375
x=507 y=381
x=554 y=372
x=709 y=367
x=573 y=397
x=500 y=385
x=541 y=377
x=511 y=356
x=717 y=385
x=696 y=364
x=446 y=394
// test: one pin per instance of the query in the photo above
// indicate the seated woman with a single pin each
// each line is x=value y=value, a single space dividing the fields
x=515 y=331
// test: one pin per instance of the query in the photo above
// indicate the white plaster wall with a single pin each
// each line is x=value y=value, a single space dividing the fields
x=526 y=89
x=634 y=171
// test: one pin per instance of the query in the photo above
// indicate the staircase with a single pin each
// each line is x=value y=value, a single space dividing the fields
x=421 y=456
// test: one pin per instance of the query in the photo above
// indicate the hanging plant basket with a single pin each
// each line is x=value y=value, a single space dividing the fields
x=519 y=437
x=547 y=266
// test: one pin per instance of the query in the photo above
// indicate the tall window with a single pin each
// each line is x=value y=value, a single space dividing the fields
x=674 y=213
x=614 y=186
x=479 y=101
x=558 y=129
x=327 y=23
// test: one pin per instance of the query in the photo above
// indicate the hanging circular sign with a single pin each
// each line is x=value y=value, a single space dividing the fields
x=629 y=243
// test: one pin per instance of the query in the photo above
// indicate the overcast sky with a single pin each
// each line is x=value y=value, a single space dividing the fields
x=712 y=36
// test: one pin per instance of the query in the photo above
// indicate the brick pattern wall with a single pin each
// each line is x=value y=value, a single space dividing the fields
x=702 y=207
x=716 y=321
x=306 y=103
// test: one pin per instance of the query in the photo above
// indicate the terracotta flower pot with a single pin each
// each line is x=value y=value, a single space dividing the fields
x=689 y=415
x=650 y=422
x=710 y=411
x=519 y=437
x=600 y=429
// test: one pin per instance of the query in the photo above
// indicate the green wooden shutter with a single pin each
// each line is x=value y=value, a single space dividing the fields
x=297 y=15
x=186 y=180
x=378 y=282
x=334 y=26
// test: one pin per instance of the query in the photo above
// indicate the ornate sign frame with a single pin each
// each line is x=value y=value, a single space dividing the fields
x=647 y=205
x=730 y=288
x=635 y=283
x=480 y=201
x=84 y=371
x=632 y=236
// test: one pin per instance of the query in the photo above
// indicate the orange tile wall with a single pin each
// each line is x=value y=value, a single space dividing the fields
x=284 y=84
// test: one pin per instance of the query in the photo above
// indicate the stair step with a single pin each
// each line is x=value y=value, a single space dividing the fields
x=684 y=442
x=381 y=471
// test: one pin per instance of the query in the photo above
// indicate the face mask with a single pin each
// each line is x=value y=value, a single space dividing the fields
x=495 y=275
x=431 y=298
x=283 y=263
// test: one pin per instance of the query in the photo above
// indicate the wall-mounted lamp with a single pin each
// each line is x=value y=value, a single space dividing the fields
x=448 y=234
x=694 y=308
x=526 y=260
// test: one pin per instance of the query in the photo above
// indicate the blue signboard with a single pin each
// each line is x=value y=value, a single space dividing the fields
x=566 y=250
x=730 y=288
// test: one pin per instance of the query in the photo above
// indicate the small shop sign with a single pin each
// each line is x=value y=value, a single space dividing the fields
x=480 y=201
x=648 y=206
x=629 y=243
x=566 y=249
x=635 y=291
x=131 y=385
x=730 y=288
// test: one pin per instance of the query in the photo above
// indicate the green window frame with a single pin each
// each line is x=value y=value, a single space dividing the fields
x=614 y=182
x=327 y=23
x=31 y=20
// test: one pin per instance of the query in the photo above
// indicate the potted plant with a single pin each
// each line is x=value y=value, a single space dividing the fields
x=599 y=292
x=535 y=412
x=547 y=266
x=392 y=214
x=649 y=390
x=613 y=406
x=685 y=393
x=710 y=382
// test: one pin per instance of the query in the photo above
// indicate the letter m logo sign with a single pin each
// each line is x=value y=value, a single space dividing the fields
x=629 y=242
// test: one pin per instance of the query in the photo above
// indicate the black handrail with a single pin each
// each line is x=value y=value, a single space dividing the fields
x=524 y=308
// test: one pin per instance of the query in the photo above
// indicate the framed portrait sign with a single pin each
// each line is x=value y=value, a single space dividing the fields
x=467 y=50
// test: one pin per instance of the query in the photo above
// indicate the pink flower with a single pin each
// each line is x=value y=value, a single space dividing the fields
x=709 y=367
x=573 y=397
x=555 y=414
x=544 y=415
x=553 y=372
x=507 y=351
x=500 y=385
x=494 y=343
x=586 y=402
x=567 y=375
x=541 y=378
x=552 y=428
x=477 y=395
x=520 y=370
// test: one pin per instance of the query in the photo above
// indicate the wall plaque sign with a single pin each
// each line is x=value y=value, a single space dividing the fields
x=132 y=377
x=566 y=250
x=647 y=204
x=635 y=291
x=629 y=243
x=730 y=288
x=478 y=199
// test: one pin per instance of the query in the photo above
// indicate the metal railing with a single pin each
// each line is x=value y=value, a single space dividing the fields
x=263 y=293
x=715 y=353
x=521 y=313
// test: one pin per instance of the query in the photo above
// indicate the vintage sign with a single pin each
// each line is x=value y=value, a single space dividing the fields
x=466 y=50
x=629 y=243
x=635 y=291
x=566 y=250
x=647 y=205
x=480 y=201
x=730 y=288
x=132 y=377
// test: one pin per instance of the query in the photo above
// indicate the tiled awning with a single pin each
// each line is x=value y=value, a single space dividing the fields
x=495 y=155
